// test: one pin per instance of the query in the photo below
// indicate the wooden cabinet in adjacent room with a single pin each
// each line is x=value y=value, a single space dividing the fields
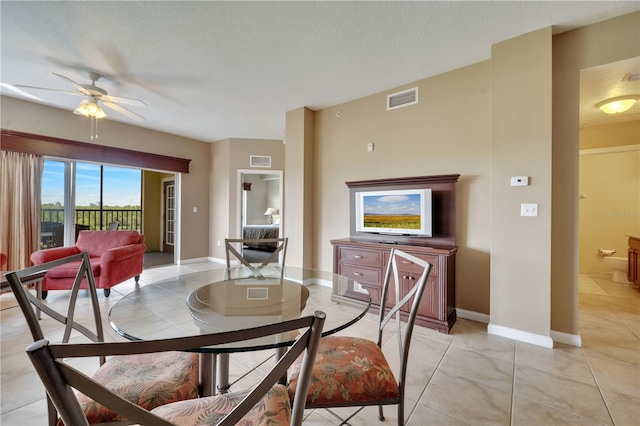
x=634 y=260
x=365 y=262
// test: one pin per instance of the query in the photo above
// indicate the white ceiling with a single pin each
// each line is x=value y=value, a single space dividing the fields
x=212 y=70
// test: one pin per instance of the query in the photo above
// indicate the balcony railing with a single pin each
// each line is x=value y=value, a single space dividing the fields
x=98 y=219
x=53 y=219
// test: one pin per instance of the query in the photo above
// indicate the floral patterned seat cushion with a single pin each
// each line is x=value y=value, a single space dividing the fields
x=148 y=380
x=348 y=371
x=274 y=409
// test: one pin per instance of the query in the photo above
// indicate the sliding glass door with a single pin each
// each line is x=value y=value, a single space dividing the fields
x=78 y=196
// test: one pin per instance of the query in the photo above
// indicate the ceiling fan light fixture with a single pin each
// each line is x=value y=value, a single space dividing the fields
x=617 y=105
x=90 y=109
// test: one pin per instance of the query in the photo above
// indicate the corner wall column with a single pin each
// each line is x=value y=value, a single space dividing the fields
x=298 y=186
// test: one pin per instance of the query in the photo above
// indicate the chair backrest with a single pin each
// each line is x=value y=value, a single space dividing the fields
x=59 y=378
x=18 y=280
x=412 y=298
x=113 y=226
x=57 y=234
x=280 y=246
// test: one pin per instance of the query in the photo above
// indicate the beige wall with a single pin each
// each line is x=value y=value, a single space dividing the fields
x=152 y=208
x=264 y=193
x=194 y=191
x=610 y=135
x=419 y=140
x=301 y=189
x=227 y=157
x=609 y=191
x=521 y=146
x=151 y=205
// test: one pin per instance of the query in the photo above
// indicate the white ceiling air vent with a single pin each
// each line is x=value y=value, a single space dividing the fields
x=402 y=99
x=260 y=161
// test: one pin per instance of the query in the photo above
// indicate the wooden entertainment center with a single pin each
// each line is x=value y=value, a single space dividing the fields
x=363 y=257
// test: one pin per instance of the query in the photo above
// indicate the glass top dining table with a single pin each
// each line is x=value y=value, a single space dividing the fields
x=226 y=299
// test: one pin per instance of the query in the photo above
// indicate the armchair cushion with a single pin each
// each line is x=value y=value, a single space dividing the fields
x=71 y=269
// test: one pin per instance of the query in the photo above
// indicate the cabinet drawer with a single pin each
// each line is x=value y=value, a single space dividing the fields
x=410 y=267
x=362 y=257
x=362 y=275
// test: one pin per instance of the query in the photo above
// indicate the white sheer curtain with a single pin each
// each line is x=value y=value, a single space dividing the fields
x=20 y=206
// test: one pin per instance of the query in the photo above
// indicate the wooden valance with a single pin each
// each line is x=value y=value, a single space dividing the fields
x=11 y=140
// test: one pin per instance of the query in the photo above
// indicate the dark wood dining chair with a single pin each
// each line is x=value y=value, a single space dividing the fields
x=265 y=403
x=354 y=372
x=175 y=374
x=278 y=254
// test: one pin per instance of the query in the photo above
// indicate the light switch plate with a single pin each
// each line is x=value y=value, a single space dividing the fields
x=529 y=209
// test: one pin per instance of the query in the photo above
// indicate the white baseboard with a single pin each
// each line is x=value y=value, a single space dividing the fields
x=194 y=260
x=556 y=336
x=522 y=336
x=566 y=338
x=472 y=315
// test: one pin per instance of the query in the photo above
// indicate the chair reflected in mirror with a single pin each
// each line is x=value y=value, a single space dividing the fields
x=233 y=248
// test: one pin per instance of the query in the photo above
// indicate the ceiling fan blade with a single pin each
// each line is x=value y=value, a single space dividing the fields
x=80 y=88
x=121 y=100
x=122 y=110
x=66 y=92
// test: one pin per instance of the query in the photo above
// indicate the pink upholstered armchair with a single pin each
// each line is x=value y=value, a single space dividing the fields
x=115 y=257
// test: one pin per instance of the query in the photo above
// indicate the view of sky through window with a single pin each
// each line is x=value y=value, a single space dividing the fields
x=121 y=185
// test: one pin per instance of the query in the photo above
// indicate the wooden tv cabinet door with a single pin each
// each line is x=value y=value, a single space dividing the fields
x=365 y=262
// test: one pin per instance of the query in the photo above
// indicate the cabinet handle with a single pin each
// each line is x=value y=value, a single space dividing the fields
x=407 y=262
x=357 y=256
x=357 y=274
x=405 y=277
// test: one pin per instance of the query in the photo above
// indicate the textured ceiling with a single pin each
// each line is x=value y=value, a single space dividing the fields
x=212 y=70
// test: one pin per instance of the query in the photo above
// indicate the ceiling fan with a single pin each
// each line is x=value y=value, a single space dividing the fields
x=96 y=96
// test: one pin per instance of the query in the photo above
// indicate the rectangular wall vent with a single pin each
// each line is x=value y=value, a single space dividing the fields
x=402 y=99
x=260 y=161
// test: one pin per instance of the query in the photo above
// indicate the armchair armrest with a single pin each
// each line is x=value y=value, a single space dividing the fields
x=47 y=255
x=121 y=263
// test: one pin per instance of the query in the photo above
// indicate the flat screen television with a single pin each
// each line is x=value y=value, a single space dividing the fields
x=394 y=212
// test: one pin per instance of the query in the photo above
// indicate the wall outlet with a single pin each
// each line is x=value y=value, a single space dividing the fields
x=370 y=147
x=529 y=209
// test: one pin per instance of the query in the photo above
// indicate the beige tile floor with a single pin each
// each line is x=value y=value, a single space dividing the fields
x=465 y=378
